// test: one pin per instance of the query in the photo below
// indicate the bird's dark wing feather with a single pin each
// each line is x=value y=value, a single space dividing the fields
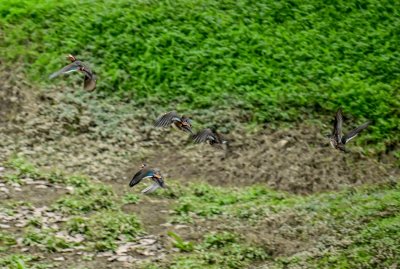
x=337 y=126
x=204 y=135
x=167 y=119
x=353 y=133
x=136 y=179
x=139 y=176
x=67 y=69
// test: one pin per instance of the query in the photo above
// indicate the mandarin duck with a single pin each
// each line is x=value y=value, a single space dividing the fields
x=147 y=172
x=89 y=82
x=181 y=123
x=209 y=136
x=337 y=140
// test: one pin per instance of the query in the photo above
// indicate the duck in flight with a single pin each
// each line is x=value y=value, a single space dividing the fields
x=182 y=123
x=209 y=136
x=89 y=82
x=147 y=172
x=337 y=140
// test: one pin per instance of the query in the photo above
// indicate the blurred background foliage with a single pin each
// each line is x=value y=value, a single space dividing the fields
x=274 y=60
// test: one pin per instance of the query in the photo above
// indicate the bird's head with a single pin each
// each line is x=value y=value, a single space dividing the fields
x=186 y=123
x=71 y=57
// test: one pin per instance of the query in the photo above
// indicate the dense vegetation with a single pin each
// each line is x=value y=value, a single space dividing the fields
x=274 y=60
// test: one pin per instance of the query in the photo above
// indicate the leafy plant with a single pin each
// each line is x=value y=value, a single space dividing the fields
x=45 y=240
x=130 y=198
x=179 y=243
x=103 y=228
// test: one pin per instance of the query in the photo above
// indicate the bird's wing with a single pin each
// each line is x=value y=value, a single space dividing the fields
x=139 y=176
x=353 y=133
x=151 y=188
x=204 y=135
x=136 y=179
x=167 y=119
x=337 y=125
x=89 y=83
x=67 y=69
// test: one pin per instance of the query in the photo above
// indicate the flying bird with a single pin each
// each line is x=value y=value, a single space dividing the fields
x=182 y=123
x=89 y=82
x=209 y=136
x=337 y=140
x=147 y=172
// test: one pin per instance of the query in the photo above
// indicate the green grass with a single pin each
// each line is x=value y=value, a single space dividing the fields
x=273 y=60
x=93 y=197
x=19 y=261
x=102 y=229
x=221 y=250
x=6 y=240
x=234 y=227
x=45 y=240
x=204 y=200
x=353 y=228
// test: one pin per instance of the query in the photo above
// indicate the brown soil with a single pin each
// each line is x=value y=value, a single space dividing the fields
x=57 y=128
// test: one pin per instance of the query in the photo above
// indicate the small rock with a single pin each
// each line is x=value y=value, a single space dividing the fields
x=41 y=187
x=4 y=226
x=17 y=189
x=20 y=225
x=50 y=214
x=147 y=241
x=40 y=182
x=67 y=250
x=59 y=259
x=282 y=143
x=179 y=226
x=28 y=181
x=129 y=259
x=20 y=241
x=105 y=254
x=145 y=252
x=70 y=189
x=122 y=249
x=112 y=258
x=4 y=189
x=77 y=238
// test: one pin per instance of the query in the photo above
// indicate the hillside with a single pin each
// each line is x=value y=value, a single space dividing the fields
x=268 y=74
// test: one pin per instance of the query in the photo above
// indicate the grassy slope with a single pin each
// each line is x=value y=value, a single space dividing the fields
x=355 y=228
x=275 y=60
